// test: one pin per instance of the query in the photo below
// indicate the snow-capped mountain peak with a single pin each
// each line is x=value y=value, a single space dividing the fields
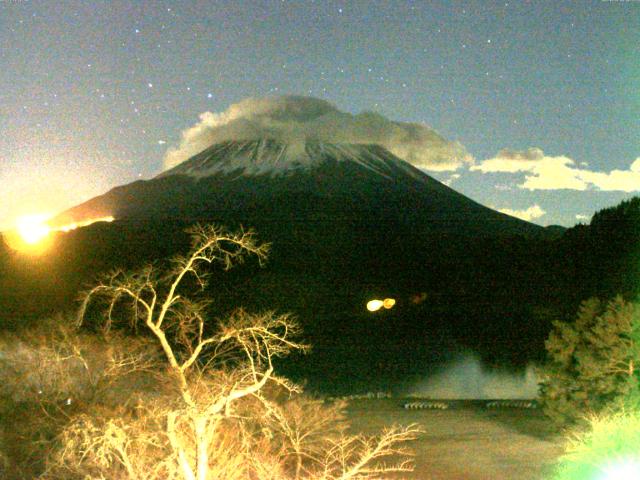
x=274 y=158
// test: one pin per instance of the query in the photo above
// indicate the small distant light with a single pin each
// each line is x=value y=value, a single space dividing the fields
x=418 y=298
x=374 y=305
x=161 y=142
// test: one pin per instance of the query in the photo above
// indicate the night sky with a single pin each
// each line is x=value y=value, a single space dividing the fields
x=544 y=95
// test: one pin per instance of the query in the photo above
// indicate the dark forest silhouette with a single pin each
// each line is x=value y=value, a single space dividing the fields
x=495 y=295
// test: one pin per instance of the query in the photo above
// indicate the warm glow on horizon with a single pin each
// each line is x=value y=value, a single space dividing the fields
x=32 y=233
x=85 y=223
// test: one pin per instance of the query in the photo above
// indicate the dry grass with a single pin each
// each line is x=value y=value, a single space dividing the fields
x=470 y=443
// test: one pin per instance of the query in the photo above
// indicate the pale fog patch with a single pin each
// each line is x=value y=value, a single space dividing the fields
x=467 y=378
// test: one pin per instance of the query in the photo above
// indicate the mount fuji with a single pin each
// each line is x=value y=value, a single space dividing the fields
x=347 y=223
x=308 y=180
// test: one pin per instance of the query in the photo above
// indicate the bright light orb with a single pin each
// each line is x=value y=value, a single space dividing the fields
x=374 y=305
x=33 y=228
x=624 y=470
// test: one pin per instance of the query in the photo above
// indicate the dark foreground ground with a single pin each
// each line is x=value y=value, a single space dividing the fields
x=468 y=441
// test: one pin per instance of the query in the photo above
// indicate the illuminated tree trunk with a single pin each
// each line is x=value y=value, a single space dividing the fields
x=201 y=446
x=187 y=471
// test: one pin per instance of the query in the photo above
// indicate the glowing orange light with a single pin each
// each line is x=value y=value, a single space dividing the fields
x=388 y=303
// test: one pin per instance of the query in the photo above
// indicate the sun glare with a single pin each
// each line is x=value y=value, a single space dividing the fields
x=32 y=234
x=33 y=228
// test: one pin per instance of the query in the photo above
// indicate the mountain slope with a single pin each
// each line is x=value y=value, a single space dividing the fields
x=347 y=223
x=257 y=175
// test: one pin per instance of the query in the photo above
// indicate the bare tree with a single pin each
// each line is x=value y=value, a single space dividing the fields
x=360 y=457
x=217 y=418
x=314 y=436
x=259 y=338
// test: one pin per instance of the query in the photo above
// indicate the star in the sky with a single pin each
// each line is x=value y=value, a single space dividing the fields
x=353 y=54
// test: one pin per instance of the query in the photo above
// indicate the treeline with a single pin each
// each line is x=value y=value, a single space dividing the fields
x=497 y=296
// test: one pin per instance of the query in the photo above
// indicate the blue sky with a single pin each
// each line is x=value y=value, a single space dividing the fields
x=544 y=95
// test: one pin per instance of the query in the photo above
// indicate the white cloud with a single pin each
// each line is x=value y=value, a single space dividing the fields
x=544 y=172
x=582 y=217
x=528 y=215
x=616 y=180
x=511 y=161
x=293 y=118
x=451 y=179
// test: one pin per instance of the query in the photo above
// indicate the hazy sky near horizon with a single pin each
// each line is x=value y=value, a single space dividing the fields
x=541 y=98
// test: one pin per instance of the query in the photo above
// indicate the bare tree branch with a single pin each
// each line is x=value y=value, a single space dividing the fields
x=217 y=421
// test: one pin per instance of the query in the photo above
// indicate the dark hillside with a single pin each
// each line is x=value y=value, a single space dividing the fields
x=464 y=276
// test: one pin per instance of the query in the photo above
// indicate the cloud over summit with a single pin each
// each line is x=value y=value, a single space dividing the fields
x=294 y=118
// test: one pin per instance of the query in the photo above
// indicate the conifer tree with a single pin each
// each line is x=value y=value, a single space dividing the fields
x=592 y=362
